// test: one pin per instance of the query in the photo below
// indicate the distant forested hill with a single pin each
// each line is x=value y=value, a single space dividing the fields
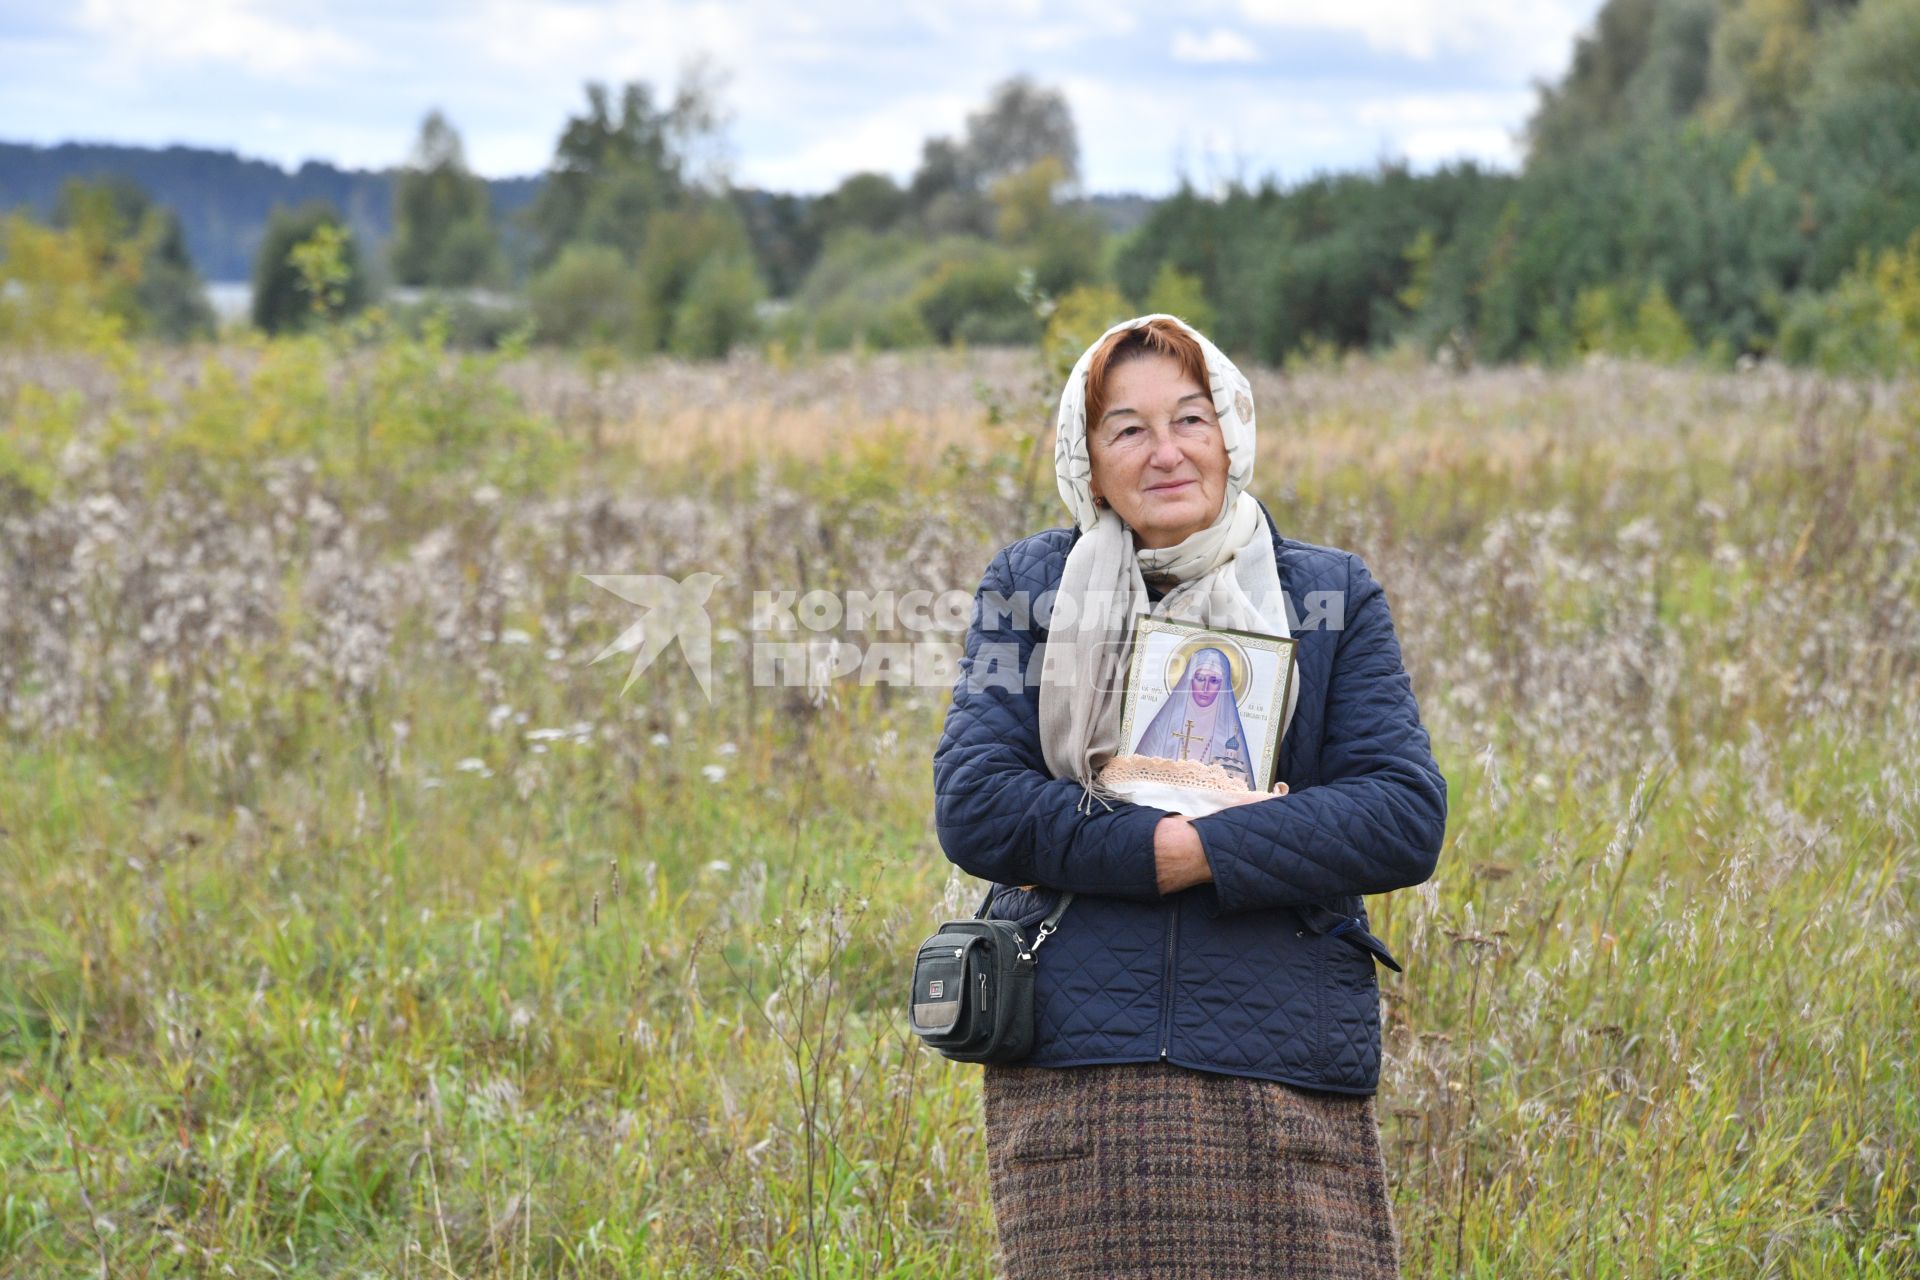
x=1727 y=177
x=223 y=199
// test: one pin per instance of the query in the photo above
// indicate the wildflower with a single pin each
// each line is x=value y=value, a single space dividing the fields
x=713 y=772
x=1641 y=534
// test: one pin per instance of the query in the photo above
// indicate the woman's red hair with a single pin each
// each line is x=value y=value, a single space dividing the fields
x=1162 y=337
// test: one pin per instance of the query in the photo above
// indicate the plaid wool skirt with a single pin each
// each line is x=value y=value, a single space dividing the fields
x=1149 y=1169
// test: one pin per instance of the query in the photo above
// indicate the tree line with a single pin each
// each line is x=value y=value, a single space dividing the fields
x=1710 y=179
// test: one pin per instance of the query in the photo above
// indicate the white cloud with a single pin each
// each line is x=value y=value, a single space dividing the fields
x=537 y=40
x=1221 y=130
x=1218 y=45
x=1429 y=128
x=813 y=92
x=1426 y=148
x=1420 y=109
x=1528 y=38
x=146 y=33
x=883 y=141
x=1035 y=23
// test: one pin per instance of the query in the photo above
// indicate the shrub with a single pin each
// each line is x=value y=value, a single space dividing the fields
x=1868 y=323
x=284 y=299
x=54 y=291
x=718 y=310
x=1652 y=328
x=976 y=299
x=1180 y=294
x=860 y=292
x=590 y=295
x=1079 y=318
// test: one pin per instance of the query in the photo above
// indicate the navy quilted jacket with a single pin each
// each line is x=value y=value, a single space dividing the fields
x=1251 y=974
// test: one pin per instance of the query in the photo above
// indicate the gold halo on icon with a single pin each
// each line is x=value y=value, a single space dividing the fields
x=1236 y=661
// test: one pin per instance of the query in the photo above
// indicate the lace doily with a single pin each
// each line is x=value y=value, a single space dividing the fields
x=1190 y=787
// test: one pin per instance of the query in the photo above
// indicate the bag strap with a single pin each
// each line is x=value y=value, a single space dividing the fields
x=1047 y=926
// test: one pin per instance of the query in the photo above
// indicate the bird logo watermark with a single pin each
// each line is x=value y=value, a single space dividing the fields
x=921 y=637
x=673 y=611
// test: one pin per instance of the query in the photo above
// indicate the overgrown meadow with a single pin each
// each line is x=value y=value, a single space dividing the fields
x=357 y=922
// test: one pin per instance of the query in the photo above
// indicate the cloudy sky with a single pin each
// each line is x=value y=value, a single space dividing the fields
x=814 y=90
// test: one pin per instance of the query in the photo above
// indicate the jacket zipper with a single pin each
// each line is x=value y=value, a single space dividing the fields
x=1166 y=979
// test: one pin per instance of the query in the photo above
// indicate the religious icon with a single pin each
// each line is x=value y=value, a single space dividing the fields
x=1210 y=699
x=1200 y=719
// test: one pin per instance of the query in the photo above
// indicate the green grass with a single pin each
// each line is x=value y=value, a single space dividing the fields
x=286 y=990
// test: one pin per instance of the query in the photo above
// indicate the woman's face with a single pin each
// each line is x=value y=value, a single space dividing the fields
x=1157 y=453
x=1208 y=681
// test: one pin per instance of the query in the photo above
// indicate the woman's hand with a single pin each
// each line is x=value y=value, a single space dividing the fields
x=1179 y=860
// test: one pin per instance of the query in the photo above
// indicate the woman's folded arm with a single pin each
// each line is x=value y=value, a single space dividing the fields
x=1000 y=814
x=1377 y=820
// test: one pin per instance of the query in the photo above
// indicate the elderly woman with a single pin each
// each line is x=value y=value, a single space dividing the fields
x=1199 y=1098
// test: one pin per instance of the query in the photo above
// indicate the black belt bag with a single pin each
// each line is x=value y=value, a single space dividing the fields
x=973 y=987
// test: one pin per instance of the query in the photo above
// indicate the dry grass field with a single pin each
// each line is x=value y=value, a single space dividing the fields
x=357 y=923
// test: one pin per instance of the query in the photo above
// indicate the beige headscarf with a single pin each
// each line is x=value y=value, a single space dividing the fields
x=1223 y=575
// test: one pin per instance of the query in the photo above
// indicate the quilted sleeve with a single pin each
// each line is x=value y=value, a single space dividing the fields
x=1378 y=817
x=1000 y=814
